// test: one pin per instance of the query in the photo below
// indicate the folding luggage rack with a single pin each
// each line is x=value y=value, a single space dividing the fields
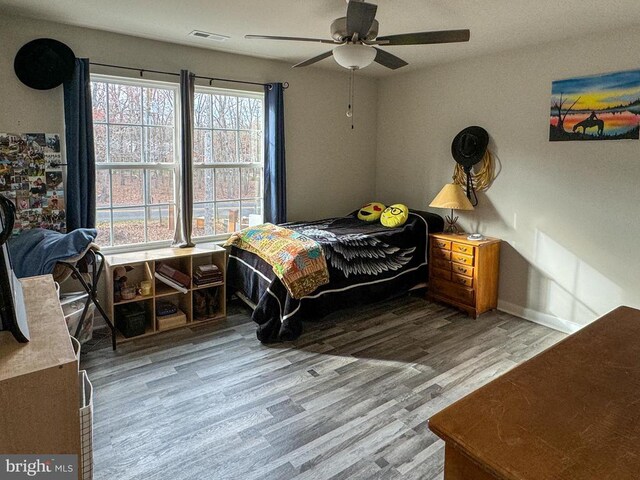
x=88 y=271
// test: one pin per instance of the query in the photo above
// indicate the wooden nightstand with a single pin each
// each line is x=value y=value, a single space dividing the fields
x=464 y=273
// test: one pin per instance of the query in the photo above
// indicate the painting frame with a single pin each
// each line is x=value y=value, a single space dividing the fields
x=597 y=107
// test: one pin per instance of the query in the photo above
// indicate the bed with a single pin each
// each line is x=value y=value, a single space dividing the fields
x=366 y=262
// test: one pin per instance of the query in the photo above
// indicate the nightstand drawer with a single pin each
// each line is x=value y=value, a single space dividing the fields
x=462 y=280
x=451 y=290
x=439 y=273
x=462 y=258
x=462 y=248
x=440 y=253
x=461 y=269
x=438 y=243
x=443 y=264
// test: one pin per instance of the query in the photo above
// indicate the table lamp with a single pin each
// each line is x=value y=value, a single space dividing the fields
x=451 y=196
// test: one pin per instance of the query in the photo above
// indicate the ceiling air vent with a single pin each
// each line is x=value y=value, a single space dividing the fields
x=215 y=37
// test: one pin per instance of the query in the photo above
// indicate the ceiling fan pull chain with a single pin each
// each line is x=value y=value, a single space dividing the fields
x=350 y=109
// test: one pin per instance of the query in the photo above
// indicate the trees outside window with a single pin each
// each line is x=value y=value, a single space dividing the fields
x=137 y=166
x=227 y=160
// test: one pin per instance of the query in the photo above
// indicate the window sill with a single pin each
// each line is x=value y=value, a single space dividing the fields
x=217 y=239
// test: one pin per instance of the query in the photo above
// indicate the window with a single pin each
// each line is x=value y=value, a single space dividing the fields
x=136 y=160
x=227 y=161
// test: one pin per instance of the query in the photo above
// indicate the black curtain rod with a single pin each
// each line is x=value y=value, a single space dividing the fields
x=285 y=85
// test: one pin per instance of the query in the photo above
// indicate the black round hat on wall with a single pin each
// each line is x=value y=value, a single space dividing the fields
x=44 y=63
x=469 y=146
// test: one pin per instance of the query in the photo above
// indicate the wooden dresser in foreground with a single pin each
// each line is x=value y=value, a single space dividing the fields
x=39 y=385
x=464 y=273
x=570 y=413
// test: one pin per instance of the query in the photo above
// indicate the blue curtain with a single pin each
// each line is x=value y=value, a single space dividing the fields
x=185 y=191
x=81 y=164
x=275 y=184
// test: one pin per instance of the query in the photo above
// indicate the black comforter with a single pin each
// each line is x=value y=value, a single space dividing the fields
x=366 y=262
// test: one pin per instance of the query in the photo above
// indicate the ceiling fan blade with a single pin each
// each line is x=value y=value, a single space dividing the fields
x=296 y=39
x=388 y=60
x=360 y=17
x=425 y=38
x=314 y=59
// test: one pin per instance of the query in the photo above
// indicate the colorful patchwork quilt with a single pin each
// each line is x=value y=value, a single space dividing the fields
x=297 y=260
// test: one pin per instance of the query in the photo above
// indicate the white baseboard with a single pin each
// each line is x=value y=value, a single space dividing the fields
x=560 y=324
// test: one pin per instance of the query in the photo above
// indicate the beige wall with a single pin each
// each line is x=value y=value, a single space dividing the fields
x=568 y=212
x=330 y=167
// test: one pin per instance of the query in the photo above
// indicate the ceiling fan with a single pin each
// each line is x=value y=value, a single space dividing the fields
x=355 y=38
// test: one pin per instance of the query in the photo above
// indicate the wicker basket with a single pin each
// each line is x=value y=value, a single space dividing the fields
x=86 y=426
x=128 y=293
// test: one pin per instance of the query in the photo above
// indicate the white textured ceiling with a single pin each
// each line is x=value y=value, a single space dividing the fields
x=495 y=24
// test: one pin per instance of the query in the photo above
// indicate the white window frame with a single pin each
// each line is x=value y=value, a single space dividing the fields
x=239 y=165
x=175 y=166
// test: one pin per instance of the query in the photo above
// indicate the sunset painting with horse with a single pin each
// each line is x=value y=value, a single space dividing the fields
x=599 y=107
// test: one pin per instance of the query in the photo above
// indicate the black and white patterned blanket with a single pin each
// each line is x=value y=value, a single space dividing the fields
x=367 y=262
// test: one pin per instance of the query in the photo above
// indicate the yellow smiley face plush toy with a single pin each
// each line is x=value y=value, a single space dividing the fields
x=371 y=212
x=395 y=215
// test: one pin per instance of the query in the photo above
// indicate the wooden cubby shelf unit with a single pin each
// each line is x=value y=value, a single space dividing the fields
x=185 y=260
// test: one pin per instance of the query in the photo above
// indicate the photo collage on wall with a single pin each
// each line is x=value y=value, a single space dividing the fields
x=31 y=177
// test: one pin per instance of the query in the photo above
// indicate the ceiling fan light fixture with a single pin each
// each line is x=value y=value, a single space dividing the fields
x=354 y=56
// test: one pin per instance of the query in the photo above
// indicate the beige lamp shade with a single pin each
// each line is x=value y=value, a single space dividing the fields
x=451 y=196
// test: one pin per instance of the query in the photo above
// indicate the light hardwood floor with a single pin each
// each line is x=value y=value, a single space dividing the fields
x=349 y=399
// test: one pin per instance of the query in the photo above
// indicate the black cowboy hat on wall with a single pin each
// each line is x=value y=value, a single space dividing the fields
x=469 y=146
x=44 y=63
